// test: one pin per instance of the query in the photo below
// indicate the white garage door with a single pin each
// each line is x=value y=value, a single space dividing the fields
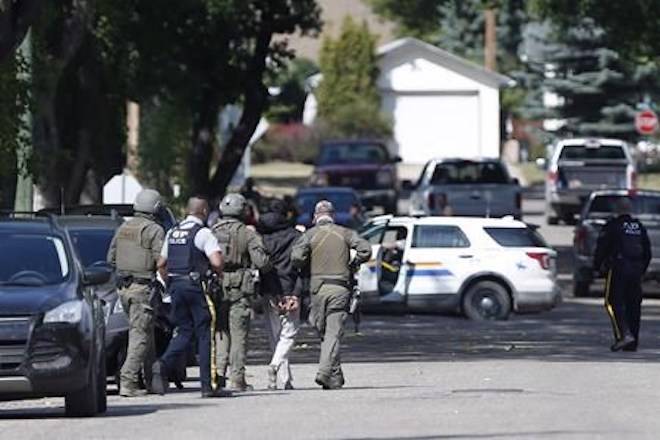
x=429 y=126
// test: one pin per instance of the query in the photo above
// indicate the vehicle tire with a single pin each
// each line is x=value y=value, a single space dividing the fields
x=569 y=219
x=84 y=402
x=581 y=289
x=486 y=301
x=102 y=386
x=552 y=220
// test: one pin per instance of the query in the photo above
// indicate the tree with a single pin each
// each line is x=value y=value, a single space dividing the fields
x=597 y=89
x=418 y=18
x=632 y=27
x=349 y=103
x=16 y=17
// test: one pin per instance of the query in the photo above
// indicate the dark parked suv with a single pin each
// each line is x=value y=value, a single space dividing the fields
x=364 y=165
x=52 y=324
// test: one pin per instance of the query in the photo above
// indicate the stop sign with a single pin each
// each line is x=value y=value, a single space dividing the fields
x=646 y=122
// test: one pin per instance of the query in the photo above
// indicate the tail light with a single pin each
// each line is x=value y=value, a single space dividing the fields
x=632 y=178
x=542 y=258
x=580 y=240
x=553 y=177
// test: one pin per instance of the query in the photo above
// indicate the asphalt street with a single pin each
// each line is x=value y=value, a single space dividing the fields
x=548 y=375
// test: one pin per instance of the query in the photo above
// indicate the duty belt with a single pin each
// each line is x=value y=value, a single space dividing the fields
x=335 y=282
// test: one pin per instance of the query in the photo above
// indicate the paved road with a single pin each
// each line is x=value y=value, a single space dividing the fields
x=547 y=375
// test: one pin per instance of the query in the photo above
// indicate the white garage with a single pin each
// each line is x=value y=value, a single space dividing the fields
x=441 y=105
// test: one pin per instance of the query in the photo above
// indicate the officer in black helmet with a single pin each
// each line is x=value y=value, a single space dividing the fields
x=190 y=250
x=624 y=252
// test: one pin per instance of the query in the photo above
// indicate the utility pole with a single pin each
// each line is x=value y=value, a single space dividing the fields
x=490 y=38
x=23 y=200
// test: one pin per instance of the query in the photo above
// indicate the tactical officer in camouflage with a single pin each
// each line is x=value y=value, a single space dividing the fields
x=326 y=248
x=133 y=252
x=244 y=255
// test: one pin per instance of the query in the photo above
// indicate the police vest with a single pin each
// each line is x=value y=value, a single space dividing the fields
x=630 y=243
x=183 y=257
x=330 y=252
x=133 y=256
x=232 y=237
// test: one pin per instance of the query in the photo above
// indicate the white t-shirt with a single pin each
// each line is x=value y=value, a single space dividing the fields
x=205 y=241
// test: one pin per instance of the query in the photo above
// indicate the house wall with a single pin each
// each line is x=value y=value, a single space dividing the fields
x=437 y=112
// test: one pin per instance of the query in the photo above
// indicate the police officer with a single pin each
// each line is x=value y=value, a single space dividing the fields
x=327 y=249
x=244 y=254
x=624 y=251
x=133 y=252
x=189 y=251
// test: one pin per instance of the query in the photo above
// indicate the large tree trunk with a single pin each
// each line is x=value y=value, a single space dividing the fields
x=205 y=120
x=255 y=100
x=16 y=17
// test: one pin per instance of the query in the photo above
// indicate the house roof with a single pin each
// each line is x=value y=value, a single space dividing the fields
x=448 y=60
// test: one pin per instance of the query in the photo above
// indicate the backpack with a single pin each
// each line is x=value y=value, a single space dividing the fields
x=232 y=238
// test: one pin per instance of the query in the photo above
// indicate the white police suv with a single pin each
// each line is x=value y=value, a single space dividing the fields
x=484 y=268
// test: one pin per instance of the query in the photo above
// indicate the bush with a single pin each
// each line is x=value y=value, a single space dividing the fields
x=288 y=143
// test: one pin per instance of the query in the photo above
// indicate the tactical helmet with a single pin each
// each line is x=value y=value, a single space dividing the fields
x=233 y=205
x=147 y=201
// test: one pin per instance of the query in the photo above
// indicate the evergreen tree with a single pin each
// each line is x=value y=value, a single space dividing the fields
x=597 y=90
x=349 y=103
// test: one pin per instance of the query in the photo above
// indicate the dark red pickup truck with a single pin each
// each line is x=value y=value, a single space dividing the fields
x=364 y=165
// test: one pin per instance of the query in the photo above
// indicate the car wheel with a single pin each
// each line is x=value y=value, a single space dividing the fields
x=102 y=386
x=552 y=220
x=487 y=301
x=581 y=289
x=84 y=402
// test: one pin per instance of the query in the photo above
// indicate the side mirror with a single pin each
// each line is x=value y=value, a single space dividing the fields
x=515 y=181
x=541 y=163
x=94 y=276
x=397 y=159
x=407 y=185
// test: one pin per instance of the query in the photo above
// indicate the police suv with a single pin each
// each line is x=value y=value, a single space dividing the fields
x=484 y=268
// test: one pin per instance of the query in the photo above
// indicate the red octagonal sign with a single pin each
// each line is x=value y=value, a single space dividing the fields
x=646 y=122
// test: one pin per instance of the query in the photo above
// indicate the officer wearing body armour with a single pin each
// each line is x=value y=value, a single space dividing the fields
x=244 y=254
x=133 y=252
x=624 y=252
x=326 y=248
x=190 y=250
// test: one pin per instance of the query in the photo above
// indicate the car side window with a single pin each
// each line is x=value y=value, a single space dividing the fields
x=439 y=236
x=374 y=235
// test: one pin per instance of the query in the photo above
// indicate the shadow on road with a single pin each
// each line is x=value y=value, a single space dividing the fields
x=525 y=434
x=577 y=330
x=50 y=412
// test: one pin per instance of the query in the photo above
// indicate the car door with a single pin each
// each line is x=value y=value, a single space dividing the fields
x=438 y=259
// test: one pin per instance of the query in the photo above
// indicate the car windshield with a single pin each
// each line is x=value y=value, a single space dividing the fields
x=341 y=201
x=32 y=260
x=606 y=206
x=466 y=172
x=91 y=244
x=353 y=153
x=516 y=237
x=582 y=152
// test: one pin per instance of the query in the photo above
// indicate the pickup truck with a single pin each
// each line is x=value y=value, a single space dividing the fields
x=599 y=208
x=363 y=165
x=580 y=166
x=475 y=188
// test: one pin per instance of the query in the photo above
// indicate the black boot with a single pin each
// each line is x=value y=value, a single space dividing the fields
x=623 y=344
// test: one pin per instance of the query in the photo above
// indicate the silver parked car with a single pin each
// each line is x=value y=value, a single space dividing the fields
x=578 y=167
x=475 y=188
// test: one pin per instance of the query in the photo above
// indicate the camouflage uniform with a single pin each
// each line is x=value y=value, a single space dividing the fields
x=326 y=248
x=134 y=251
x=243 y=251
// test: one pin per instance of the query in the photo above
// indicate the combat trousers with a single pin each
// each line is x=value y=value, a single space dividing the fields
x=282 y=330
x=234 y=338
x=623 y=301
x=328 y=314
x=193 y=315
x=140 y=353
